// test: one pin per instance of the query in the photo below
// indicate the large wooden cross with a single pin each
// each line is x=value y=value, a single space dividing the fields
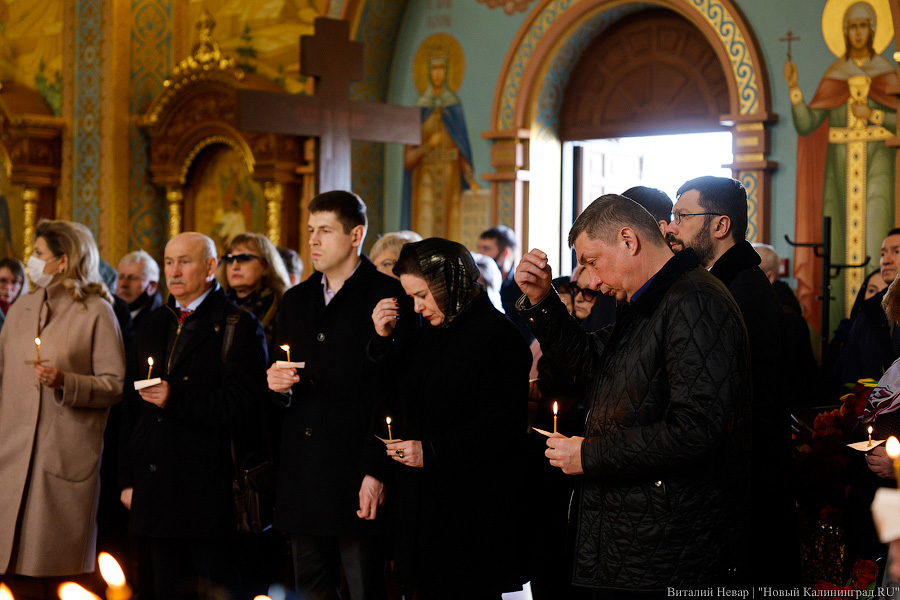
x=330 y=115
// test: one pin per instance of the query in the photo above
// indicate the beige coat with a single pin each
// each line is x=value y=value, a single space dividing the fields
x=51 y=440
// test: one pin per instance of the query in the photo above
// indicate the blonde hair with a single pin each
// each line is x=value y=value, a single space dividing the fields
x=81 y=276
x=275 y=274
x=394 y=241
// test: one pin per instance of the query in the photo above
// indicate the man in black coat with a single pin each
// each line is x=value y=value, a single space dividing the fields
x=710 y=217
x=176 y=468
x=332 y=468
x=663 y=461
x=138 y=283
x=500 y=244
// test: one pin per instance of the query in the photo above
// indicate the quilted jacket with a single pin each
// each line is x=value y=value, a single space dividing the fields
x=666 y=450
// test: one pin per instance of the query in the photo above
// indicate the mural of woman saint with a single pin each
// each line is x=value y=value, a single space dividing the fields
x=844 y=168
x=438 y=171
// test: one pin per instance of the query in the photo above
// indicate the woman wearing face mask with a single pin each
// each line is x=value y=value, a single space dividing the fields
x=53 y=412
x=12 y=284
x=458 y=404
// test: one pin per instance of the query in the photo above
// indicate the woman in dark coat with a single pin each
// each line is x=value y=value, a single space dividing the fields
x=457 y=397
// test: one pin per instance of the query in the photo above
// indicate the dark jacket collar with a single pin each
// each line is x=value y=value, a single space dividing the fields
x=212 y=304
x=359 y=280
x=676 y=266
x=739 y=257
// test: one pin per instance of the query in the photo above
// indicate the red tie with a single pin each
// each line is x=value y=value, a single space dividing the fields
x=183 y=314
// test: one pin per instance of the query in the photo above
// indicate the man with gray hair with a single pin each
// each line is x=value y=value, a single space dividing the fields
x=138 y=283
x=665 y=452
x=175 y=465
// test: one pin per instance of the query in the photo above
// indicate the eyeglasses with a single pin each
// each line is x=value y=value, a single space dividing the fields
x=679 y=216
x=588 y=293
x=238 y=258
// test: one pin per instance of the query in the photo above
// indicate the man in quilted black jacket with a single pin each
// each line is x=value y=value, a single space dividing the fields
x=663 y=463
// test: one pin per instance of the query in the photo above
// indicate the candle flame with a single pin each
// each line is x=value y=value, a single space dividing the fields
x=37 y=341
x=285 y=347
x=73 y=591
x=893 y=447
x=555 y=408
x=110 y=570
x=261 y=598
x=387 y=420
x=5 y=592
x=870 y=430
x=150 y=360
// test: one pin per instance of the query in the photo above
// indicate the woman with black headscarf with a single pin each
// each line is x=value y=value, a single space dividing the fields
x=458 y=399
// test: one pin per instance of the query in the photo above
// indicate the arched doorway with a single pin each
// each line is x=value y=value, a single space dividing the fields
x=531 y=90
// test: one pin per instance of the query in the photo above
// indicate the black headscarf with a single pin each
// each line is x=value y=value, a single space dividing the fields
x=450 y=273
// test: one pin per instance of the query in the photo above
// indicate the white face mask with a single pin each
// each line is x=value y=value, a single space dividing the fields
x=36 y=273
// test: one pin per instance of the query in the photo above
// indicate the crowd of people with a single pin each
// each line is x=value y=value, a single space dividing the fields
x=392 y=395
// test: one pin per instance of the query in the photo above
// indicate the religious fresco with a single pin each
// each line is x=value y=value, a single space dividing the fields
x=221 y=197
x=31 y=47
x=438 y=172
x=263 y=36
x=843 y=162
x=509 y=6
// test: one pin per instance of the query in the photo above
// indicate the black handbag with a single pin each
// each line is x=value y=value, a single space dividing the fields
x=254 y=474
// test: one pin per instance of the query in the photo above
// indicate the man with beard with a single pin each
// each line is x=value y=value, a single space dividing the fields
x=710 y=217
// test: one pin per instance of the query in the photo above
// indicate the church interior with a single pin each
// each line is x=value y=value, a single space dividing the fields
x=144 y=118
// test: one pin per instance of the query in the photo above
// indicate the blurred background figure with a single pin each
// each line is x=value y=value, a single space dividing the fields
x=563 y=287
x=255 y=279
x=490 y=278
x=292 y=264
x=138 y=284
x=53 y=413
x=386 y=249
x=583 y=295
x=12 y=284
x=459 y=533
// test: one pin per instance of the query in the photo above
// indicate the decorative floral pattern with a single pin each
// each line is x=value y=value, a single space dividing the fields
x=509 y=6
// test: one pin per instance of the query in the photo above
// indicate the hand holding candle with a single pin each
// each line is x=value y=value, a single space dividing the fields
x=388 y=421
x=555 y=411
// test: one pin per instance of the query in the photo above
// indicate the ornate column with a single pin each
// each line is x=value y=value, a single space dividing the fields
x=174 y=200
x=509 y=181
x=274 y=194
x=750 y=146
x=29 y=207
x=895 y=141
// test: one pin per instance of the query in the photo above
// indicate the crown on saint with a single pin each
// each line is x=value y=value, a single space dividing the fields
x=438 y=52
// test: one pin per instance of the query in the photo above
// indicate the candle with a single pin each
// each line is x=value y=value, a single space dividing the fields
x=37 y=343
x=893 y=451
x=73 y=591
x=870 y=435
x=149 y=362
x=388 y=421
x=5 y=592
x=287 y=349
x=555 y=410
x=114 y=577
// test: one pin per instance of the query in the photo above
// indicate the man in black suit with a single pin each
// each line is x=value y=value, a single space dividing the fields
x=332 y=468
x=176 y=468
x=710 y=217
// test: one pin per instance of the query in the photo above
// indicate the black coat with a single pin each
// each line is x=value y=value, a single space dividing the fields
x=463 y=392
x=667 y=437
x=327 y=440
x=772 y=499
x=178 y=459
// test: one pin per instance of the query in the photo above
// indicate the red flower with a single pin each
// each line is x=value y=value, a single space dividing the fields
x=864 y=573
x=824 y=585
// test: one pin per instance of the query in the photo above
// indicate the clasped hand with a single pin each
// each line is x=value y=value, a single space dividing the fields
x=385 y=315
x=49 y=376
x=565 y=453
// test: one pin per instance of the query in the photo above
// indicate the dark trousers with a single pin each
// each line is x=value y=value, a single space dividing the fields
x=318 y=561
x=191 y=569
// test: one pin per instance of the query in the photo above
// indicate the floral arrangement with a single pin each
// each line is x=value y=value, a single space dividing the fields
x=862 y=577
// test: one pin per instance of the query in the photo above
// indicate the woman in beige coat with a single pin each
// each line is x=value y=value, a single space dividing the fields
x=52 y=414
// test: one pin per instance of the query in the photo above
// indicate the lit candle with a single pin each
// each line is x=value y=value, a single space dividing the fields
x=388 y=421
x=892 y=447
x=37 y=343
x=870 y=435
x=555 y=410
x=73 y=591
x=287 y=349
x=149 y=362
x=5 y=592
x=114 y=577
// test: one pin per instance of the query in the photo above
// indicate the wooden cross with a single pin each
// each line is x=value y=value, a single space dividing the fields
x=790 y=38
x=330 y=115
